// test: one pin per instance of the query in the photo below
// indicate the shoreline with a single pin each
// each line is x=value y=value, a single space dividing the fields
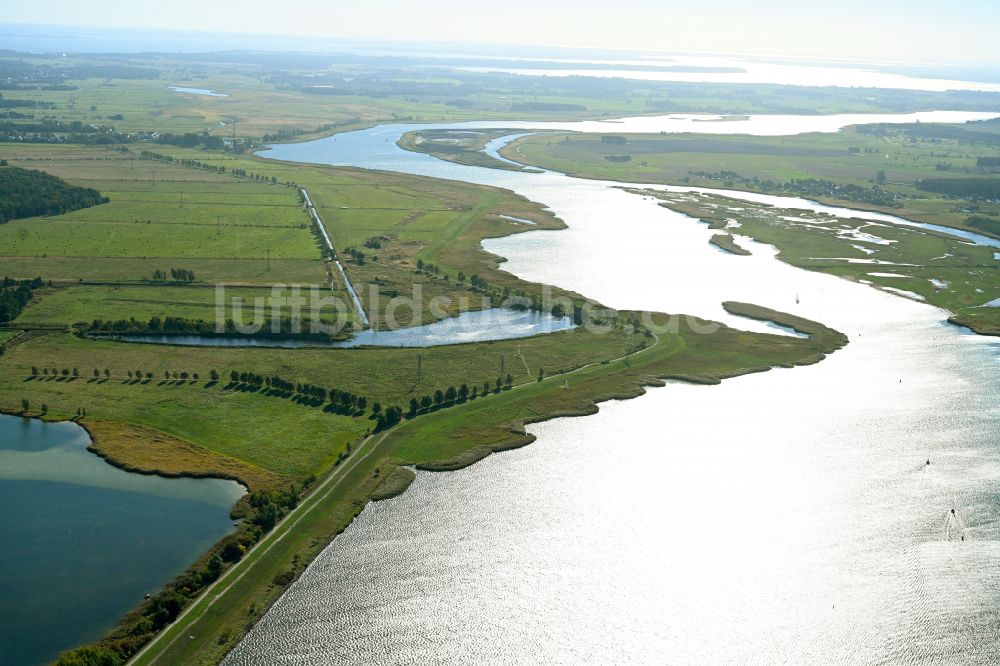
x=507 y=152
x=236 y=511
x=618 y=381
x=951 y=317
x=626 y=386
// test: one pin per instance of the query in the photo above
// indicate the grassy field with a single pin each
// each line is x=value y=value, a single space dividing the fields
x=849 y=157
x=939 y=269
x=275 y=94
x=460 y=146
x=727 y=243
x=80 y=303
x=409 y=220
x=233 y=230
x=161 y=216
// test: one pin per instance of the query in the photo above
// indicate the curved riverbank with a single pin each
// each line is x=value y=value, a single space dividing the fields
x=820 y=433
x=823 y=167
x=472 y=430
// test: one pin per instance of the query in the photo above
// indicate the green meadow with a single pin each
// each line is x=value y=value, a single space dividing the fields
x=894 y=159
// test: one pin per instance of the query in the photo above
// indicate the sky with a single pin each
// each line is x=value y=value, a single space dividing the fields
x=956 y=31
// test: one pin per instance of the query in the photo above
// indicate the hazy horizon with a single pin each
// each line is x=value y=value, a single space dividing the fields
x=892 y=32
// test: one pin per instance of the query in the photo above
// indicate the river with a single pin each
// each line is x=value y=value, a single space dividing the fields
x=845 y=512
x=81 y=541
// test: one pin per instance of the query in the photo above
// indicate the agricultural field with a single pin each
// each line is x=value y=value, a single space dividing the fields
x=82 y=303
x=282 y=98
x=160 y=216
x=400 y=223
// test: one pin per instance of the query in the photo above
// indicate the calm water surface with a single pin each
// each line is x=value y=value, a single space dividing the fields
x=81 y=541
x=205 y=92
x=469 y=326
x=786 y=517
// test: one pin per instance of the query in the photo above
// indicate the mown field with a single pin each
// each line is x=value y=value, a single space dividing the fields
x=161 y=216
x=82 y=303
x=898 y=157
x=400 y=222
x=239 y=231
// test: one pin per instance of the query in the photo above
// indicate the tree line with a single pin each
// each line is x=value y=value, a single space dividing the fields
x=217 y=168
x=15 y=295
x=452 y=396
x=340 y=401
x=966 y=188
x=812 y=187
x=176 y=274
x=27 y=193
x=156 y=325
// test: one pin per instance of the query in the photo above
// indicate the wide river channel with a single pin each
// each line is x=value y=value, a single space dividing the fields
x=785 y=517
